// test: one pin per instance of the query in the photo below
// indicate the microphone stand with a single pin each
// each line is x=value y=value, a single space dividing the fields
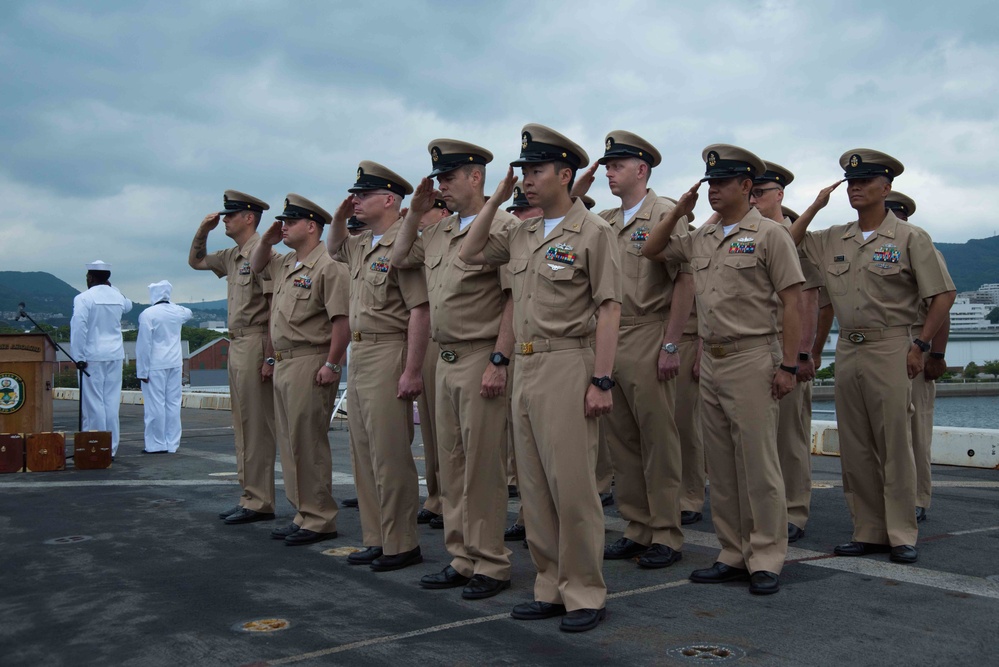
x=22 y=313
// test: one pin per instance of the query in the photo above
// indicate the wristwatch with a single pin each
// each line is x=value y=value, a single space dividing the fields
x=669 y=348
x=936 y=355
x=925 y=347
x=603 y=383
x=793 y=370
x=804 y=356
x=269 y=361
x=333 y=367
x=499 y=359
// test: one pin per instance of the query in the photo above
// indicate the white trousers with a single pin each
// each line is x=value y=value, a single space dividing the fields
x=161 y=401
x=101 y=397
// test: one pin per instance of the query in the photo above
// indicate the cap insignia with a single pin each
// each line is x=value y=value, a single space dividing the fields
x=517 y=193
x=524 y=140
x=225 y=199
x=286 y=202
x=609 y=143
x=712 y=158
x=359 y=173
x=435 y=154
x=854 y=160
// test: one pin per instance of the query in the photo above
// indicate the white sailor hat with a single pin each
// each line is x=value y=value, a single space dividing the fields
x=98 y=265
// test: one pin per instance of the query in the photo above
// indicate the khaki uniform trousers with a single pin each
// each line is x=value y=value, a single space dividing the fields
x=381 y=428
x=302 y=414
x=688 y=424
x=924 y=394
x=739 y=424
x=472 y=442
x=252 y=422
x=556 y=456
x=873 y=415
x=427 y=405
x=794 y=446
x=511 y=460
x=643 y=440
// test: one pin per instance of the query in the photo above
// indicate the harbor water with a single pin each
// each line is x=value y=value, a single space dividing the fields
x=963 y=411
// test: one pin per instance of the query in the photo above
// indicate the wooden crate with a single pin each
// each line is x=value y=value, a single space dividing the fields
x=92 y=450
x=45 y=452
x=11 y=452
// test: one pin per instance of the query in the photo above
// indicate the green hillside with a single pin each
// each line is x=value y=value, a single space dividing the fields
x=972 y=264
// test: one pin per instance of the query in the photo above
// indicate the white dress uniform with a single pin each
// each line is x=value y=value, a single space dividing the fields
x=159 y=359
x=95 y=337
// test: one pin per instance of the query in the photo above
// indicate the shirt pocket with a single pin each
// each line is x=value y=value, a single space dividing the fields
x=518 y=277
x=555 y=284
x=739 y=274
x=699 y=265
x=888 y=282
x=838 y=278
x=433 y=270
x=375 y=290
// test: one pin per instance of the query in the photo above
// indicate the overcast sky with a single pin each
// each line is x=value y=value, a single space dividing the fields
x=123 y=122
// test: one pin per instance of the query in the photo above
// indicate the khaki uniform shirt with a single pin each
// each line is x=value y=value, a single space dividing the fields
x=813 y=277
x=737 y=275
x=306 y=298
x=466 y=300
x=648 y=286
x=558 y=283
x=381 y=295
x=917 y=327
x=878 y=282
x=246 y=293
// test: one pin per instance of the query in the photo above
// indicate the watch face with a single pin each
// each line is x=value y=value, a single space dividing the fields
x=670 y=348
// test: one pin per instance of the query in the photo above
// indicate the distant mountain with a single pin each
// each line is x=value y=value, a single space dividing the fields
x=50 y=300
x=972 y=264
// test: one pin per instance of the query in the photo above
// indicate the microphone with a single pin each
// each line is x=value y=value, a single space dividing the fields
x=20 y=311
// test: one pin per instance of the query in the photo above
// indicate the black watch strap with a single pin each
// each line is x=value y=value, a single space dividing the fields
x=804 y=356
x=924 y=346
x=793 y=370
x=936 y=355
x=499 y=359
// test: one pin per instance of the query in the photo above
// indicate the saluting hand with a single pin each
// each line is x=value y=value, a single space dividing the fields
x=585 y=180
x=505 y=188
x=423 y=197
x=598 y=402
x=211 y=221
x=344 y=211
x=685 y=205
x=823 y=198
x=273 y=234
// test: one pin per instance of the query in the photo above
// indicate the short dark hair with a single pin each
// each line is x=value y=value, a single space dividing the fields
x=256 y=218
x=559 y=166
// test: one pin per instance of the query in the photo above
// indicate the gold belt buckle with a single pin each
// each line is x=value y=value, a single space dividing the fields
x=527 y=348
x=277 y=356
x=355 y=335
x=856 y=337
x=717 y=350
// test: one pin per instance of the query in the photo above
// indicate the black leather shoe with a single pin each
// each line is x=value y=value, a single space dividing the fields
x=688 y=517
x=903 y=554
x=397 y=561
x=365 y=556
x=248 y=516
x=659 y=555
x=446 y=578
x=303 y=536
x=281 y=533
x=481 y=587
x=425 y=516
x=535 y=611
x=581 y=620
x=232 y=510
x=437 y=523
x=511 y=491
x=764 y=583
x=624 y=548
x=860 y=549
x=514 y=533
x=348 y=502
x=607 y=499
x=920 y=514
x=794 y=533
x=158 y=451
x=718 y=573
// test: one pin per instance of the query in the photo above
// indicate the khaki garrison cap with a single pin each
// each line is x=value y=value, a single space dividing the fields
x=775 y=174
x=867 y=163
x=297 y=207
x=726 y=161
x=449 y=154
x=543 y=144
x=621 y=144
x=896 y=201
x=519 y=198
x=354 y=223
x=234 y=201
x=373 y=176
x=789 y=213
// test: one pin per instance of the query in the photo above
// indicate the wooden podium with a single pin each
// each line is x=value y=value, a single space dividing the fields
x=27 y=365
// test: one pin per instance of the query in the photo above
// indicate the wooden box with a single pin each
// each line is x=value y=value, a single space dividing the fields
x=11 y=452
x=92 y=450
x=45 y=452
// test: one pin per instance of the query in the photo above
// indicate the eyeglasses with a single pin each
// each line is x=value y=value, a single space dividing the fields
x=362 y=196
x=758 y=192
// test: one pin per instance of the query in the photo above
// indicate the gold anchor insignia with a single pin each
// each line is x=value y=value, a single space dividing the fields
x=286 y=202
x=608 y=143
x=359 y=172
x=526 y=138
x=517 y=193
x=225 y=199
x=435 y=154
x=712 y=159
x=854 y=161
